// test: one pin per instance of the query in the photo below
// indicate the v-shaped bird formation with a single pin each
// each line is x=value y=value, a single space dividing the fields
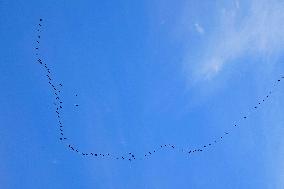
x=129 y=156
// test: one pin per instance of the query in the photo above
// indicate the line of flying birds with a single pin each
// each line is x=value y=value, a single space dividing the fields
x=56 y=90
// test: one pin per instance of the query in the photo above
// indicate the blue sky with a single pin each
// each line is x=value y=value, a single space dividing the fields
x=143 y=73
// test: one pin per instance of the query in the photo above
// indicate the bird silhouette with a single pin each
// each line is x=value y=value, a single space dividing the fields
x=131 y=156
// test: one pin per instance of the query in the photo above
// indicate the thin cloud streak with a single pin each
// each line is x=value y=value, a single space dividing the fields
x=198 y=28
x=258 y=33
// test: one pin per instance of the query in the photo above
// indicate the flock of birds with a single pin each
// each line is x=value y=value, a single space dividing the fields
x=56 y=90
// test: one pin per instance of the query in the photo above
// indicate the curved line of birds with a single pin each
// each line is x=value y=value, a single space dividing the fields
x=127 y=156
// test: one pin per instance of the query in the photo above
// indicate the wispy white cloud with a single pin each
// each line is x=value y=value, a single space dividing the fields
x=237 y=3
x=259 y=31
x=198 y=28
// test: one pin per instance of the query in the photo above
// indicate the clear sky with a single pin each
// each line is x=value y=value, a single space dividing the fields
x=143 y=73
